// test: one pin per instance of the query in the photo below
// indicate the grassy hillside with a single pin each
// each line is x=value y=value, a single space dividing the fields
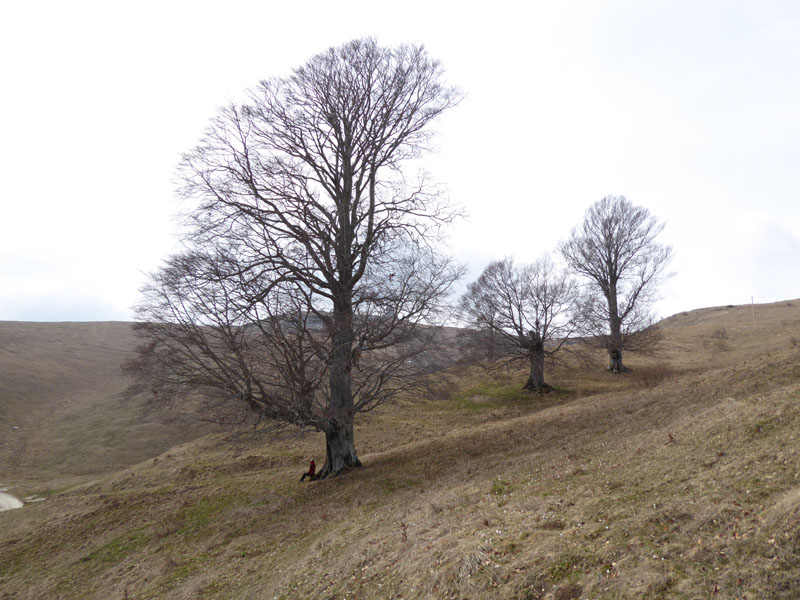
x=62 y=411
x=679 y=480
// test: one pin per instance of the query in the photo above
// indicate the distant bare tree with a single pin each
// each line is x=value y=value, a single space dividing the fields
x=615 y=250
x=532 y=310
x=312 y=265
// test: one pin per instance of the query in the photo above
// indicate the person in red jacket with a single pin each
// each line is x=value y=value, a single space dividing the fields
x=312 y=468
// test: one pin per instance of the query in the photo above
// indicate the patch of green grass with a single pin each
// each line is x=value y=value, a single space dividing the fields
x=116 y=550
x=508 y=394
x=488 y=396
x=764 y=425
x=500 y=487
x=197 y=517
x=189 y=566
x=573 y=562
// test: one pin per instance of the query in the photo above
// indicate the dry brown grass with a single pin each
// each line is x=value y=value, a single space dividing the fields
x=679 y=480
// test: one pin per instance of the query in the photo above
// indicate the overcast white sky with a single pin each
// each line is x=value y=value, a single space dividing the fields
x=689 y=108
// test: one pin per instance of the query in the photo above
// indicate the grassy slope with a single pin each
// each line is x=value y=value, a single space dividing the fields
x=62 y=413
x=681 y=480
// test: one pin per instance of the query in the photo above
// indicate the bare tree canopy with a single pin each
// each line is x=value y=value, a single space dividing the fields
x=311 y=269
x=525 y=311
x=615 y=250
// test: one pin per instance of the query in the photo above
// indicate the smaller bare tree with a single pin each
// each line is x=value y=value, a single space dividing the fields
x=615 y=250
x=527 y=311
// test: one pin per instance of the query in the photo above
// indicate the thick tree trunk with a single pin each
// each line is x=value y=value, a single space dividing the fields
x=615 y=339
x=340 y=447
x=535 y=381
x=340 y=450
x=615 y=362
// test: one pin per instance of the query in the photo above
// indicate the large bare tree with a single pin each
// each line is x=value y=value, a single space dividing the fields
x=312 y=274
x=525 y=311
x=616 y=251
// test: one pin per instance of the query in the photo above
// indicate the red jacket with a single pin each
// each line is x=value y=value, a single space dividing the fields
x=312 y=468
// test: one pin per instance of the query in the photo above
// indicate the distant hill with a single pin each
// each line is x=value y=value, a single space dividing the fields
x=62 y=411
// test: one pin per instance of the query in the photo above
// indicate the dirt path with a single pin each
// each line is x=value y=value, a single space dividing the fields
x=7 y=502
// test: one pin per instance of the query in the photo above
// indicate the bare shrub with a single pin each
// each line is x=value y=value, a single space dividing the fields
x=719 y=339
x=720 y=333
